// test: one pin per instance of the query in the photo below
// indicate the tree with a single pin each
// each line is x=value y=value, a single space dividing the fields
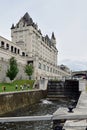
x=13 y=69
x=29 y=70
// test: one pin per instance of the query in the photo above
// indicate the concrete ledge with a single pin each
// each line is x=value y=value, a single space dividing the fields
x=75 y=125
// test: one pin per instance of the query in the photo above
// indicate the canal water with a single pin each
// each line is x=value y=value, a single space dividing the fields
x=43 y=107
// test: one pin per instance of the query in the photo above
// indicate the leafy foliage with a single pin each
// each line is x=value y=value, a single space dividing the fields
x=29 y=70
x=13 y=69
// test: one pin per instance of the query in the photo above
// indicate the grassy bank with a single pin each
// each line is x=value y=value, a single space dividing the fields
x=12 y=86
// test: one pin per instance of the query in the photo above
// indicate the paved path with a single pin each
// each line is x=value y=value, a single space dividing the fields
x=81 y=108
x=77 y=119
x=79 y=115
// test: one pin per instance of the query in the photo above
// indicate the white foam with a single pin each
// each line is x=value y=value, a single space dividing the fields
x=46 y=101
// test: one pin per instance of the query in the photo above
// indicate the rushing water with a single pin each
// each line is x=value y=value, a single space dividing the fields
x=42 y=108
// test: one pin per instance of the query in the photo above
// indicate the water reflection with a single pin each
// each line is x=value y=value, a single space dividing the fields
x=41 y=108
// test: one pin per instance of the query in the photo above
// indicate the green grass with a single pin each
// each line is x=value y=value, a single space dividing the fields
x=11 y=86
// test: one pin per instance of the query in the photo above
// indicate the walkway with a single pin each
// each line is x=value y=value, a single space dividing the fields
x=80 y=109
x=79 y=114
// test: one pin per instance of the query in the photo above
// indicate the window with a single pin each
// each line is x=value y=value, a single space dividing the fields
x=23 y=53
x=2 y=44
x=7 y=46
x=44 y=67
x=15 y=50
x=50 y=69
x=56 y=71
x=39 y=66
x=53 y=71
x=11 y=48
x=2 y=58
x=47 y=68
x=18 y=51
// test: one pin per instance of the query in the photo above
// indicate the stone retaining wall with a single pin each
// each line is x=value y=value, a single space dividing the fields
x=3 y=69
x=13 y=101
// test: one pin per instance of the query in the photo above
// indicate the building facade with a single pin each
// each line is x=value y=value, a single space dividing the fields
x=29 y=46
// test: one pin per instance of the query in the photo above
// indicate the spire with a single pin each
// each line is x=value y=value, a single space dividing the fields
x=53 y=36
x=27 y=19
x=53 y=39
x=12 y=27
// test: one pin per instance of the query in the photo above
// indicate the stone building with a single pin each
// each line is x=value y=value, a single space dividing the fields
x=9 y=49
x=29 y=46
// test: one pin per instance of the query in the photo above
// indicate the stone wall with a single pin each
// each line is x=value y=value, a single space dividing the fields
x=3 y=69
x=13 y=101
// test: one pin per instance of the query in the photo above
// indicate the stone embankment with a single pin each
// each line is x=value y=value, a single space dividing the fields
x=11 y=101
x=81 y=109
x=77 y=119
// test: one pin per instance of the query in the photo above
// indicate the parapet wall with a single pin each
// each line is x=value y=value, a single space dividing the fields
x=13 y=101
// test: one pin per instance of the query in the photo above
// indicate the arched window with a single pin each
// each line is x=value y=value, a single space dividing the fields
x=15 y=50
x=11 y=48
x=18 y=51
x=2 y=44
x=7 y=46
x=23 y=53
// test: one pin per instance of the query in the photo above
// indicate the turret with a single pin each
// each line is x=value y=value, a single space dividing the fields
x=12 y=27
x=53 y=39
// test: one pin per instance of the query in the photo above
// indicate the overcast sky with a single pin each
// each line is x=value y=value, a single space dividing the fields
x=66 y=18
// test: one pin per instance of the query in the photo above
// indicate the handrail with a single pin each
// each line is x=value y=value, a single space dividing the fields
x=44 y=117
x=25 y=118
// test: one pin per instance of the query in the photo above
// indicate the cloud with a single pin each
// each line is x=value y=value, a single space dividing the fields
x=75 y=65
